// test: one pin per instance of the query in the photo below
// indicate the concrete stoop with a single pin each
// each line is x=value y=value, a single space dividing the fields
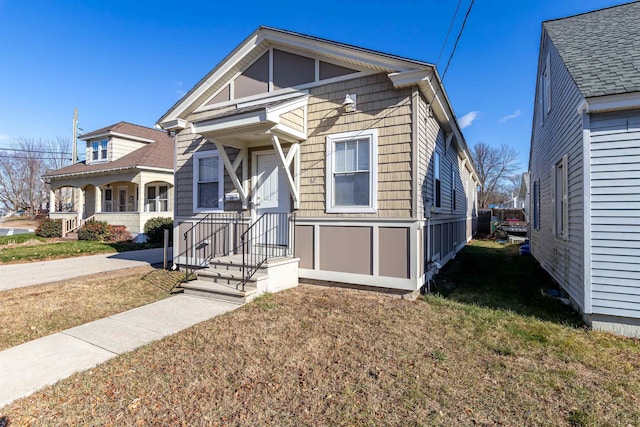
x=222 y=279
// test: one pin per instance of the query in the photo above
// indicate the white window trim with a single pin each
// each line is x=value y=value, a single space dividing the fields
x=100 y=159
x=196 y=158
x=563 y=163
x=437 y=168
x=372 y=134
x=157 y=199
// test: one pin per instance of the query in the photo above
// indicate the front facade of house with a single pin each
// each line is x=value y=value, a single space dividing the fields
x=585 y=164
x=359 y=150
x=126 y=179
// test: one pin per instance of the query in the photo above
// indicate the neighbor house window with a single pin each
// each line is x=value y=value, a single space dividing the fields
x=352 y=172
x=536 y=204
x=99 y=150
x=560 y=199
x=437 y=185
x=453 y=190
x=157 y=198
x=208 y=183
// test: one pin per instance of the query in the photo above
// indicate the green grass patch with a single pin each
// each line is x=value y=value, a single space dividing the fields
x=47 y=251
x=20 y=238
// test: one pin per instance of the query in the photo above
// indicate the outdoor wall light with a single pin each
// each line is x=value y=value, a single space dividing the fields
x=349 y=103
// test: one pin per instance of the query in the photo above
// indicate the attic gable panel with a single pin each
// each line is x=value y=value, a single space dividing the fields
x=291 y=70
x=254 y=80
x=328 y=70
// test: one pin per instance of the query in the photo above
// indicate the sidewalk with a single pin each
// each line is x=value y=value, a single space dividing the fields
x=35 y=273
x=28 y=367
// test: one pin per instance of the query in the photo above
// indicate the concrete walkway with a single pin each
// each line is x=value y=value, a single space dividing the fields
x=35 y=273
x=27 y=368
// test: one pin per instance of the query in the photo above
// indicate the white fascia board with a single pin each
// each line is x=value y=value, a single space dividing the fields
x=624 y=101
x=131 y=137
x=323 y=47
x=409 y=78
x=224 y=123
x=276 y=110
x=251 y=43
x=175 y=125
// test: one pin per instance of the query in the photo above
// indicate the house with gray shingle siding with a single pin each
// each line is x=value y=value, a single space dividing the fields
x=346 y=160
x=126 y=179
x=584 y=164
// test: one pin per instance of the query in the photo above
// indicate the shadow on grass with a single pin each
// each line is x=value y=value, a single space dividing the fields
x=497 y=276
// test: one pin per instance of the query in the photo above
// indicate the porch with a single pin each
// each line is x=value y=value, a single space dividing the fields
x=235 y=258
x=130 y=203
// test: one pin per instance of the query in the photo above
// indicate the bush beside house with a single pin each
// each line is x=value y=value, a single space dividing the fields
x=102 y=231
x=154 y=229
x=49 y=228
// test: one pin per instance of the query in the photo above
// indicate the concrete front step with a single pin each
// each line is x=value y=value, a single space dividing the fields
x=220 y=291
x=71 y=236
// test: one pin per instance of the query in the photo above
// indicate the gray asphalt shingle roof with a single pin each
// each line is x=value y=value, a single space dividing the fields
x=601 y=49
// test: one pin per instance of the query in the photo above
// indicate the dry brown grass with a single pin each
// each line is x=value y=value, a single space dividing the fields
x=36 y=311
x=327 y=356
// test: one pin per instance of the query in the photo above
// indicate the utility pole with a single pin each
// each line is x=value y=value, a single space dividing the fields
x=74 y=152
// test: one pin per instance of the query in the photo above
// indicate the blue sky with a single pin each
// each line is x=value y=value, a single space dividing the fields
x=132 y=60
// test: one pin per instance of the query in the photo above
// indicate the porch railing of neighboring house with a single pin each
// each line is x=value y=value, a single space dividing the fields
x=270 y=236
x=210 y=237
x=69 y=225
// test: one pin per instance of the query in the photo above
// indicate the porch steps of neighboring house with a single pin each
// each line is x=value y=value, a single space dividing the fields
x=222 y=280
x=73 y=235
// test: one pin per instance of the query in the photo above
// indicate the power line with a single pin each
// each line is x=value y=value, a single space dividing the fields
x=4 y=156
x=444 y=43
x=458 y=39
x=35 y=151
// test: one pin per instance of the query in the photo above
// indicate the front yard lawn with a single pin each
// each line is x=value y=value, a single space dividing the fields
x=36 y=311
x=328 y=356
x=36 y=250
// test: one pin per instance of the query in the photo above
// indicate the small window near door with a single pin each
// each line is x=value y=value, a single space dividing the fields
x=208 y=183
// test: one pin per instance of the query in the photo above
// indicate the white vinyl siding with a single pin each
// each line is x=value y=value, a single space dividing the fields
x=208 y=182
x=615 y=213
x=560 y=136
x=351 y=172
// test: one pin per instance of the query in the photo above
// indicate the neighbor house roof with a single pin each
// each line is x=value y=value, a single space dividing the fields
x=601 y=49
x=158 y=153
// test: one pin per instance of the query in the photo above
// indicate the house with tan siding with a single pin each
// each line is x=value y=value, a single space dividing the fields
x=126 y=179
x=346 y=164
x=584 y=164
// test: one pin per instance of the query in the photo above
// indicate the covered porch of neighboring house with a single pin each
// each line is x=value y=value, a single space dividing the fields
x=251 y=250
x=129 y=200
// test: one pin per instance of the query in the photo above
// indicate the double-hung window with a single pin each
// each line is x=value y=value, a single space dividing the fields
x=352 y=172
x=157 y=198
x=99 y=150
x=560 y=197
x=437 y=184
x=208 y=182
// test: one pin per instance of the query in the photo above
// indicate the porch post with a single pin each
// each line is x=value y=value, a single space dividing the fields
x=52 y=201
x=98 y=200
x=80 y=209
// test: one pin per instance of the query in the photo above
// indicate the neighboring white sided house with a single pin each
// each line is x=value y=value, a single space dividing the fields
x=346 y=160
x=585 y=164
x=126 y=179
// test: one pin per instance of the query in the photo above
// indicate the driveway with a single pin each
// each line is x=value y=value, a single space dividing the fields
x=35 y=273
x=12 y=231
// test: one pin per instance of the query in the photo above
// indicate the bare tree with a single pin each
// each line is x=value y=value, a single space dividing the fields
x=21 y=168
x=494 y=166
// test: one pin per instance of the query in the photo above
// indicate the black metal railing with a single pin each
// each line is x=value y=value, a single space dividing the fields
x=213 y=236
x=270 y=236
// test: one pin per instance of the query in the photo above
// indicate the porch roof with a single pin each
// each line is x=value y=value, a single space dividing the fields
x=157 y=155
x=252 y=121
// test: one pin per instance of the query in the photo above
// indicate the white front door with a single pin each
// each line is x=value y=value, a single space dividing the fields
x=271 y=195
